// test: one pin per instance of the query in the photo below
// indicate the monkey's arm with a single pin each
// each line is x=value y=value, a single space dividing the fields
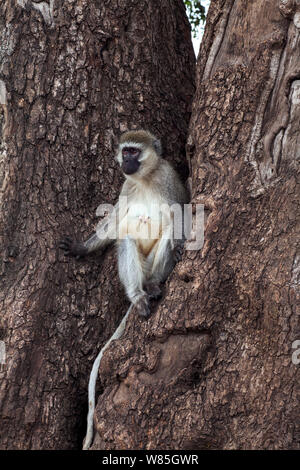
x=105 y=234
x=80 y=249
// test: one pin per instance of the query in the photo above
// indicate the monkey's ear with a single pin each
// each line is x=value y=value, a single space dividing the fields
x=157 y=147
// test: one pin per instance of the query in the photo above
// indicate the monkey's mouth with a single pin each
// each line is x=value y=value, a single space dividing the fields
x=130 y=166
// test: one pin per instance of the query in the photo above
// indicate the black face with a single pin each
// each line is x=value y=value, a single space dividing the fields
x=130 y=162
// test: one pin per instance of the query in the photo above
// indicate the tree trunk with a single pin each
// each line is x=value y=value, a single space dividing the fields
x=74 y=75
x=212 y=367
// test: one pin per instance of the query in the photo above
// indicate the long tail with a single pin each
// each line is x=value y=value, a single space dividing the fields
x=93 y=378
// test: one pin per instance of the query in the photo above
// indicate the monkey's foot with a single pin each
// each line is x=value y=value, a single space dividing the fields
x=153 y=290
x=142 y=306
x=72 y=248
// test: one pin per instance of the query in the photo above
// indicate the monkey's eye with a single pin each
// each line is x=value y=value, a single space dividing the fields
x=131 y=152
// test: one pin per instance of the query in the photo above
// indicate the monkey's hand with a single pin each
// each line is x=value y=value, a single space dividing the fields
x=178 y=251
x=73 y=248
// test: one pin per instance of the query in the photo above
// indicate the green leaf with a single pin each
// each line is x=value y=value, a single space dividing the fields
x=196 y=14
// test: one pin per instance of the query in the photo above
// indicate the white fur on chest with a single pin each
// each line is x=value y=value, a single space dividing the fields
x=145 y=219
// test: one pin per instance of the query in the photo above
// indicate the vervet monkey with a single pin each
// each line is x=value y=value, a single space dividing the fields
x=142 y=221
x=142 y=224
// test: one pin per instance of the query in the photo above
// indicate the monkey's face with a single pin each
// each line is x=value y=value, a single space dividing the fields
x=130 y=160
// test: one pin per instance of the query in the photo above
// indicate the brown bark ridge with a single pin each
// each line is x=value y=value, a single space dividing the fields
x=212 y=368
x=74 y=74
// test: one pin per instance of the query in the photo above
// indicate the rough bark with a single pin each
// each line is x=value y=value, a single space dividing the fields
x=74 y=74
x=212 y=367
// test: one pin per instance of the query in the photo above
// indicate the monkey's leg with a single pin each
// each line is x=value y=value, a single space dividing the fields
x=162 y=262
x=131 y=275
